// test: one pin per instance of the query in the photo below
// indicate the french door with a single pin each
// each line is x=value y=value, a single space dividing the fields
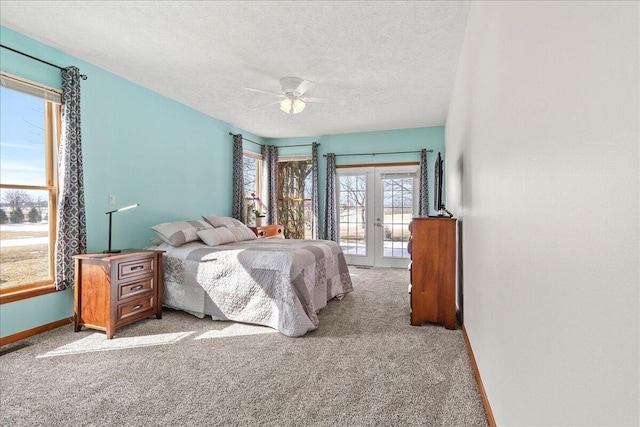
x=375 y=206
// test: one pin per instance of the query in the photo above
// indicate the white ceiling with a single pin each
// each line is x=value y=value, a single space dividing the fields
x=393 y=62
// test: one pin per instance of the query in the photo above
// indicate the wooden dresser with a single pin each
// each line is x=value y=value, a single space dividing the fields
x=433 y=271
x=274 y=231
x=113 y=290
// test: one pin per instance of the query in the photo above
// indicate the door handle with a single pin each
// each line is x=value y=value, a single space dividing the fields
x=378 y=223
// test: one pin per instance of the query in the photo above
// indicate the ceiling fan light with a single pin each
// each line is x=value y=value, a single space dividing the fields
x=298 y=106
x=286 y=105
x=292 y=105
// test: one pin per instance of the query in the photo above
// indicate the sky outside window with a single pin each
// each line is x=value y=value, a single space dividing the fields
x=22 y=141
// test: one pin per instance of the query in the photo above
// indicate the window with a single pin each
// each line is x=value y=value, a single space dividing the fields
x=294 y=196
x=252 y=168
x=29 y=136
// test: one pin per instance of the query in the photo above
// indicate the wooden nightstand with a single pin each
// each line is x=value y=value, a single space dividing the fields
x=113 y=290
x=274 y=231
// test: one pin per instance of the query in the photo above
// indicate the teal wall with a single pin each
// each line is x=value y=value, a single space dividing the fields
x=137 y=145
x=175 y=161
x=370 y=142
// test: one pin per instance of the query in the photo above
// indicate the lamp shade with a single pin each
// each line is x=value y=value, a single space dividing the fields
x=124 y=209
x=292 y=105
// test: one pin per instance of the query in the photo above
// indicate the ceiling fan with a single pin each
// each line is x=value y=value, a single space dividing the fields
x=292 y=99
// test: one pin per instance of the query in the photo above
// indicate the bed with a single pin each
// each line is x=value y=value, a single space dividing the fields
x=279 y=283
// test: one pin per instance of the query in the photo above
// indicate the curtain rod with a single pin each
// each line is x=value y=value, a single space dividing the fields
x=376 y=154
x=246 y=139
x=82 y=76
x=279 y=146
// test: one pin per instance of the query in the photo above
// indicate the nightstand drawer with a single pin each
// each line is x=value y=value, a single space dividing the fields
x=136 y=309
x=137 y=288
x=136 y=267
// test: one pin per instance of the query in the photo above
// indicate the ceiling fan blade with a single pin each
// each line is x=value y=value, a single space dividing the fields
x=263 y=91
x=265 y=105
x=304 y=86
x=324 y=100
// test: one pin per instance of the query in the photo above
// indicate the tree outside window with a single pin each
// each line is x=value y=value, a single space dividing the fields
x=294 y=198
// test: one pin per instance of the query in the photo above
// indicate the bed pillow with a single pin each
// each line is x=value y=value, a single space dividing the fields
x=155 y=241
x=178 y=233
x=242 y=233
x=216 y=236
x=222 y=221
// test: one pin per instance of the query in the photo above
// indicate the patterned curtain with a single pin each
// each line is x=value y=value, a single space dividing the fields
x=238 y=201
x=330 y=208
x=270 y=162
x=315 y=197
x=71 y=236
x=423 y=199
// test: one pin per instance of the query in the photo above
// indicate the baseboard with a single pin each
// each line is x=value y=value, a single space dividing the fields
x=35 y=331
x=476 y=372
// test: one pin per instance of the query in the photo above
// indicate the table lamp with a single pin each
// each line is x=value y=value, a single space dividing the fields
x=115 y=251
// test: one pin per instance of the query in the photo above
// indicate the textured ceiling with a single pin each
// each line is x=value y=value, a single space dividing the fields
x=393 y=62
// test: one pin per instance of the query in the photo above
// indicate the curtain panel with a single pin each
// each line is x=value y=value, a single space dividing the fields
x=330 y=208
x=315 y=197
x=423 y=196
x=238 y=202
x=71 y=238
x=270 y=165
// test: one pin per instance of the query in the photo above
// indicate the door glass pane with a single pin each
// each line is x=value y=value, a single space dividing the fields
x=352 y=213
x=397 y=205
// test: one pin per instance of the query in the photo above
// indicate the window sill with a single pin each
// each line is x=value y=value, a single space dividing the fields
x=31 y=292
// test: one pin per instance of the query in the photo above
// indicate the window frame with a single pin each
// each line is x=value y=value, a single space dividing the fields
x=53 y=131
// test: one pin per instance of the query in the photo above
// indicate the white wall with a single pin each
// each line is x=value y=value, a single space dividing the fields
x=543 y=148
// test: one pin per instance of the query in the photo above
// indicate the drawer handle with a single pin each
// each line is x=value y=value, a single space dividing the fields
x=137 y=267
x=136 y=307
x=136 y=288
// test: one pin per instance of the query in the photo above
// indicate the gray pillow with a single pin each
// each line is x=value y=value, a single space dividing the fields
x=222 y=221
x=216 y=236
x=243 y=233
x=178 y=233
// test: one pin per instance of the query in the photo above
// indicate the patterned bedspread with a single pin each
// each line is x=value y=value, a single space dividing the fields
x=280 y=283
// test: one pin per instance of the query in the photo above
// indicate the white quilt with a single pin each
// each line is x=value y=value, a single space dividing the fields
x=280 y=283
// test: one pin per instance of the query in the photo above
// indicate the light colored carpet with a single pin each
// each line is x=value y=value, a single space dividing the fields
x=364 y=366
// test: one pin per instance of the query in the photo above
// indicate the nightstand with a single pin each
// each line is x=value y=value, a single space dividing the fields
x=113 y=290
x=274 y=231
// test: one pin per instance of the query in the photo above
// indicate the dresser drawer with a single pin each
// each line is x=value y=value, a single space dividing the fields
x=136 y=288
x=127 y=269
x=136 y=309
